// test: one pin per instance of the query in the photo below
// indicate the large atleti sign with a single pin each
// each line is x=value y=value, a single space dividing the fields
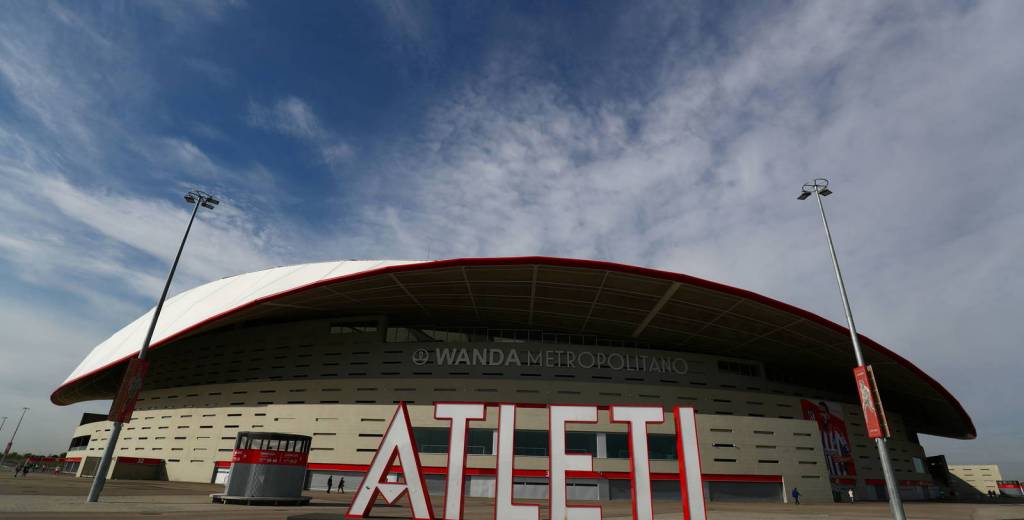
x=397 y=453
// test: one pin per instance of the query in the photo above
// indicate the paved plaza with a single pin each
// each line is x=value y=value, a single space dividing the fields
x=41 y=496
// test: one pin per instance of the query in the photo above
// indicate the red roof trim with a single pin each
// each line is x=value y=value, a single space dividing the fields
x=563 y=262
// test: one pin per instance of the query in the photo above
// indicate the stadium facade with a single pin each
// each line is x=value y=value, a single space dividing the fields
x=328 y=350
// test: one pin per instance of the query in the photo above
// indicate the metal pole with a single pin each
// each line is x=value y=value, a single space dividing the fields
x=3 y=423
x=115 y=431
x=895 y=501
x=11 y=442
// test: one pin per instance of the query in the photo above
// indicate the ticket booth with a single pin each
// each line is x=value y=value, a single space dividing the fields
x=266 y=468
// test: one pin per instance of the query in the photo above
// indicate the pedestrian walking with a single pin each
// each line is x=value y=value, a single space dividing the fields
x=24 y=470
x=796 y=496
x=341 y=485
x=330 y=482
x=850 y=493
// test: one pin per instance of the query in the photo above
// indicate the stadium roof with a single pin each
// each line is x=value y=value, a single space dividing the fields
x=609 y=300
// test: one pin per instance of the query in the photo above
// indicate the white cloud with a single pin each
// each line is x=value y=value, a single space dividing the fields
x=26 y=376
x=293 y=117
x=218 y=74
x=913 y=112
x=189 y=14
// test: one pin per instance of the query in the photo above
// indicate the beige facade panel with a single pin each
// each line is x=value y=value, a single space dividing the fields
x=748 y=424
x=975 y=479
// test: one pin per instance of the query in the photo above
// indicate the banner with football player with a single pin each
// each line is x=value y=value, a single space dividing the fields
x=835 y=441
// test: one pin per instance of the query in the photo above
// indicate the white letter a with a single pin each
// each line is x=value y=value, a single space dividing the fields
x=397 y=443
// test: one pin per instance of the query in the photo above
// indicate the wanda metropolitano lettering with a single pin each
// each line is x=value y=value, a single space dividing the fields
x=397 y=454
x=550 y=358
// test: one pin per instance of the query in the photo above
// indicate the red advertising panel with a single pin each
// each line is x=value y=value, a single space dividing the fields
x=124 y=403
x=870 y=403
x=276 y=457
x=835 y=441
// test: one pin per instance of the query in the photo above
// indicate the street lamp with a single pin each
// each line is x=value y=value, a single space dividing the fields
x=819 y=188
x=11 y=442
x=124 y=403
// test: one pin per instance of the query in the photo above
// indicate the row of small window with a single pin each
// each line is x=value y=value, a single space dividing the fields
x=684 y=399
x=266 y=374
x=769 y=461
x=739 y=368
x=759 y=432
x=193 y=380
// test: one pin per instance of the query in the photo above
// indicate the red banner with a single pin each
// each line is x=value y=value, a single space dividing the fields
x=871 y=403
x=276 y=457
x=124 y=403
x=44 y=459
x=835 y=441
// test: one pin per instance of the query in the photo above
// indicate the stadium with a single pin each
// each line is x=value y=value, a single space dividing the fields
x=326 y=350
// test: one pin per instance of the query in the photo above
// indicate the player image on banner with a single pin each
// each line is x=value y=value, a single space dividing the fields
x=835 y=441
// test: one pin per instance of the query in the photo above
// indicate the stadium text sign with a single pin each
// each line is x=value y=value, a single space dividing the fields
x=549 y=358
x=397 y=454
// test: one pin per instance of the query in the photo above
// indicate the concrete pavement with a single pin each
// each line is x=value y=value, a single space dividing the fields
x=41 y=496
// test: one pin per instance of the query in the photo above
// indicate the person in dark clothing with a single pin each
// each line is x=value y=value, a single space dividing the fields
x=796 y=496
x=24 y=470
x=341 y=485
x=330 y=482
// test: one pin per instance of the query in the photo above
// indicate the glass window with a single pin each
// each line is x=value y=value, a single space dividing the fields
x=659 y=446
x=618 y=445
x=431 y=440
x=531 y=442
x=480 y=442
x=581 y=442
x=435 y=440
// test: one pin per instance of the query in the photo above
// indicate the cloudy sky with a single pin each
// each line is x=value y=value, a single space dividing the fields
x=673 y=135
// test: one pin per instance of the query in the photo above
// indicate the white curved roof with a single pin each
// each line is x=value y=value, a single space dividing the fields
x=194 y=306
x=593 y=297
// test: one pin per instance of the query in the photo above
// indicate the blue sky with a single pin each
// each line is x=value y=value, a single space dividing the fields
x=673 y=135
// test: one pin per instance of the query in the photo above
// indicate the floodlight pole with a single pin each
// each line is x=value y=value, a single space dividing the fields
x=895 y=501
x=197 y=198
x=11 y=442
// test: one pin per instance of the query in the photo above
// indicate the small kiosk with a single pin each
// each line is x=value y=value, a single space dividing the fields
x=266 y=468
